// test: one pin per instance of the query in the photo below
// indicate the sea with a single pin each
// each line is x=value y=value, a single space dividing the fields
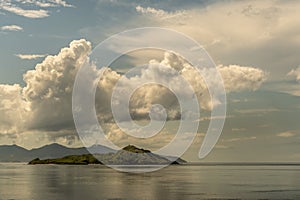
x=55 y=182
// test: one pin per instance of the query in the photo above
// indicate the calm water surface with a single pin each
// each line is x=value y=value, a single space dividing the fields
x=45 y=182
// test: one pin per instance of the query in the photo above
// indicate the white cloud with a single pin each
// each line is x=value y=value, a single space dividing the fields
x=295 y=73
x=159 y=13
x=239 y=139
x=209 y=118
x=220 y=23
x=46 y=3
x=50 y=85
x=257 y=33
x=25 y=13
x=293 y=88
x=14 y=6
x=286 y=134
x=11 y=28
x=30 y=56
x=44 y=103
x=62 y=3
x=13 y=109
x=237 y=78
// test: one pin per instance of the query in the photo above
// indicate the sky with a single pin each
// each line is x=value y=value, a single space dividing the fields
x=255 y=45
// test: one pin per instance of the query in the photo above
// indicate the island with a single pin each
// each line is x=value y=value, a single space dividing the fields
x=68 y=160
x=129 y=155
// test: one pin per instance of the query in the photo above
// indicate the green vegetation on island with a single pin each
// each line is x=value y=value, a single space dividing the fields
x=129 y=155
x=68 y=160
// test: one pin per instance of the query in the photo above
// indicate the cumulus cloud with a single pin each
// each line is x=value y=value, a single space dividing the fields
x=144 y=97
x=44 y=103
x=293 y=88
x=30 y=56
x=151 y=94
x=11 y=28
x=295 y=73
x=13 y=109
x=50 y=85
x=237 y=78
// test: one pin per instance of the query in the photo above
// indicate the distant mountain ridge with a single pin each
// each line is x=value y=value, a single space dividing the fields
x=14 y=153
